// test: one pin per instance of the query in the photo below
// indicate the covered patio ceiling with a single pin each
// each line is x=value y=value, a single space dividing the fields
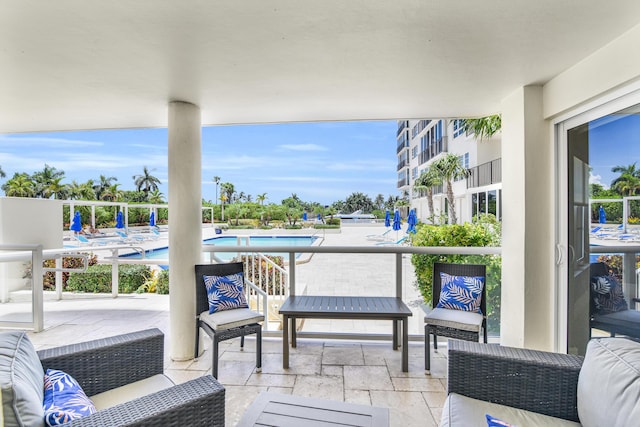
x=92 y=64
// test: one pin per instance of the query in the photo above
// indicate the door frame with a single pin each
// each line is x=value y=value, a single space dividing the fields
x=608 y=104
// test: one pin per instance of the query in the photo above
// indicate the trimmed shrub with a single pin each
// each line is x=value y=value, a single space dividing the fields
x=486 y=232
x=162 y=287
x=97 y=279
x=49 y=278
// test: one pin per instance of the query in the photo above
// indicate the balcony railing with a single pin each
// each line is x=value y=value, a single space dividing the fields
x=402 y=163
x=485 y=174
x=403 y=182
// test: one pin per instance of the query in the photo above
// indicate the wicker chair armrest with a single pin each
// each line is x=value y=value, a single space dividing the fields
x=537 y=381
x=104 y=364
x=198 y=402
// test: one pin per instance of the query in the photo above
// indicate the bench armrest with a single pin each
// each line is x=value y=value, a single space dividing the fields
x=198 y=402
x=537 y=381
x=104 y=364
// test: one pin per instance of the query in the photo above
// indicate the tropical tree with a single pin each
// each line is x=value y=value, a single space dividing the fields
x=2 y=174
x=358 y=201
x=146 y=182
x=20 y=185
x=227 y=189
x=112 y=193
x=425 y=183
x=484 y=127
x=628 y=183
x=104 y=183
x=155 y=196
x=448 y=168
x=260 y=198
x=43 y=180
x=379 y=201
x=56 y=189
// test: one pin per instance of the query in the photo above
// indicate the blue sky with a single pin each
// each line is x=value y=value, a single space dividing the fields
x=320 y=162
x=613 y=141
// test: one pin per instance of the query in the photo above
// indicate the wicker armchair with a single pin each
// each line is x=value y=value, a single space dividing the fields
x=536 y=381
x=105 y=364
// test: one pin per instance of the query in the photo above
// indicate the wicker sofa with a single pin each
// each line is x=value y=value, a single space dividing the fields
x=535 y=388
x=123 y=373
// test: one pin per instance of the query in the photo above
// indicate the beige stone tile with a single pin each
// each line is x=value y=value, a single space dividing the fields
x=299 y=364
x=333 y=370
x=348 y=355
x=321 y=387
x=237 y=400
x=234 y=373
x=360 y=397
x=367 y=378
x=434 y=399
x=281 y=390
x=406 y=408
x=417 y=384
x=271 y=380
x=437 y=414
x=182 y=376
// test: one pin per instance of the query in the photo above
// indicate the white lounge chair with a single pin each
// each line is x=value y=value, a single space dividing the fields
x=397 y=242
x=380 y=237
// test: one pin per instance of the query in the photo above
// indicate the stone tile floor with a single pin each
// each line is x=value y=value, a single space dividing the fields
x=367 y=372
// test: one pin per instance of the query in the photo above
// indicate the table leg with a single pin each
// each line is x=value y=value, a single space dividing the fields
x=405 y=345
x=285 y=342
x=395 y=334
x=294 y=338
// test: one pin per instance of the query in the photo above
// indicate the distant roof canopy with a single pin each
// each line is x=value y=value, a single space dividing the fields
x=91 y=64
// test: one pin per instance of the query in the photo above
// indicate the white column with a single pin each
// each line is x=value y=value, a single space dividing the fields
x=185 y=233
x=527 y=314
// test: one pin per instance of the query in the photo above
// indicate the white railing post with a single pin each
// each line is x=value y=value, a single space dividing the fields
x=59 y=283
x=36 y=283
x=399 y=276
x=630 y=287
x=292 y=273
x=114 y=273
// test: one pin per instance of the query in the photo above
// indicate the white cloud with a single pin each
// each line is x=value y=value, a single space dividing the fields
x=596 y=179
x=303 y=147
x=36 y=140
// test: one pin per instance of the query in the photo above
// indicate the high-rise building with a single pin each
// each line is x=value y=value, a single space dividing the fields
x=421 y=142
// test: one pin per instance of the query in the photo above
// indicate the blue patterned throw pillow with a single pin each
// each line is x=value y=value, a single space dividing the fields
x=225 y=292
x=494 y=422
x=607 y=295
x=64 y=399
x=461 y=292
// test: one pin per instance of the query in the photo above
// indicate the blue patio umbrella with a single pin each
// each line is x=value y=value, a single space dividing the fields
x=76 y=224
x=304 y=216
x=412 y=220
x=119 y=220
x=603 y=216
x=319 y=217
x=397 y=220
x=152 y=219
x=387 y=218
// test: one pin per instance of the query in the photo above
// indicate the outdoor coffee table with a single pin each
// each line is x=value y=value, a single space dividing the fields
x=274 y=409
x=345 y=307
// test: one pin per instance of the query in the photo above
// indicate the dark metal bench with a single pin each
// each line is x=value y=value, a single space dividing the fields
x=345 y=307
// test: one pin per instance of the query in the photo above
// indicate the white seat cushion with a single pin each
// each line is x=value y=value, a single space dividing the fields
x=131 y=391
x=462 y=411
x=457 y=319
x=228 y=319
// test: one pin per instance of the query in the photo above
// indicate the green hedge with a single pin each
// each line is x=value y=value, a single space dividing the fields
x=97 y=279
x=162 y=287
x=485 y=233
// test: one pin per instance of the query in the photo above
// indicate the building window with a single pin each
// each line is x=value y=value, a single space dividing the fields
x=458 y=129
x=414 y=152
x=414 y=173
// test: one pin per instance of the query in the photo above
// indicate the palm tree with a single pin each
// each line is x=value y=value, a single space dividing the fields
x=425 y=182
x=484 y=127
x=628 y=183
x=216 y=179
x=56 y=189
x=448 y=169
x=260 y=198
x=2 y=174
x=44 y=178
x=21 y=185
x=146 y=182
x=155 y=196
x=227 y=189
x=112 y=193
x=105 y=183
x=379 y=201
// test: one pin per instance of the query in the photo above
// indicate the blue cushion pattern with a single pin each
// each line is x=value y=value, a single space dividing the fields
x=607 y=295
x=461 y=292
x=64 y=399
x=494 y=422
x=225 y=292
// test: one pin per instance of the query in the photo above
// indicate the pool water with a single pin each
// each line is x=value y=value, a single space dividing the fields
x=275 y=241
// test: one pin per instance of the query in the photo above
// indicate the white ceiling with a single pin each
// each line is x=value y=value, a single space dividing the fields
x=91 y=64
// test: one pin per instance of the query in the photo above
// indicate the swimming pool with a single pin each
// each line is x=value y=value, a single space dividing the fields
x=240 y=241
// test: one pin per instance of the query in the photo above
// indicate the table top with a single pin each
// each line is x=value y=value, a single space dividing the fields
x=274 y=409
x=347 y=306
